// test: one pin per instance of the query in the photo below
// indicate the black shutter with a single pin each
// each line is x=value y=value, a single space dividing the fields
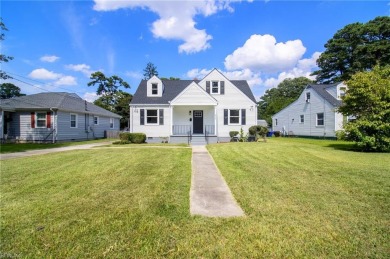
x=243 y=117
x=208 y=86
x=222 y=90
x=142 y=117
x=225 y=116
x=161 y=115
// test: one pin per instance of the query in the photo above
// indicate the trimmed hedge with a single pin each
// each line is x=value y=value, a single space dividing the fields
x=233 y=133
x=136 y=138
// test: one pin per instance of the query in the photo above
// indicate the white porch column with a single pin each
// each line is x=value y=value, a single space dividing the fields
x=171 y=110
x=215 y=121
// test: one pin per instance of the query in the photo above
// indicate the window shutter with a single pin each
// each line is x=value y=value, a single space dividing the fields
x=142 y=117
x=225 y=116
x=208 y=86
x=243 y=117
x=33 y=120
x=48 y=120
x=161 y=115
x=222 y=90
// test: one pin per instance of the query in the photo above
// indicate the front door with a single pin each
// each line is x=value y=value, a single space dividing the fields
x=198 y=122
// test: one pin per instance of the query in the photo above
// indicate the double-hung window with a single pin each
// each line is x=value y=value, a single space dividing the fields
x=111 y=123
x=95 y=120
x=214 y=87
x=73 y=120
x=234 y=116
x=307 y=97
x=154 y=89
x=41 y=119
x=152 y=116
x=302 y=119
x=320 y=119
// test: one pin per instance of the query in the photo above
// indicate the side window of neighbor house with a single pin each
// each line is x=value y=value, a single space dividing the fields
x=308 y=97
x=41 y=119
x=276 y=122
x=320 y=119
x=73 y=120
x=154 y=89
x=302 y=118
x=96 y=120
x=111 y=123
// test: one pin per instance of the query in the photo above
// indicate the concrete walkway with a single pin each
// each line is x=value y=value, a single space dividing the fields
x=50 y=150
x=210 y=195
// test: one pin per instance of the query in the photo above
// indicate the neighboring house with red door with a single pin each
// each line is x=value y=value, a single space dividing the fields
x=55 y=116
x=196 y=111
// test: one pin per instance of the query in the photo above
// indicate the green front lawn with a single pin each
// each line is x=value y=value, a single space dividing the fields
x=302 y=198
x=22 y=147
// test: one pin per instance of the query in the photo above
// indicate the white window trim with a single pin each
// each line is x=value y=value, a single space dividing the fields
x=300 y=119
x=36 y=120
x=70 y=120
x=151 y=90
x=307 y=99
x=97 y=120
x=323 y=119
x=113 y=123
x=146 y=117
x=219 y=87
x=239 y=117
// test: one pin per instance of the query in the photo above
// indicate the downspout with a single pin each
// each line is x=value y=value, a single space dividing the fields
x=54 y=111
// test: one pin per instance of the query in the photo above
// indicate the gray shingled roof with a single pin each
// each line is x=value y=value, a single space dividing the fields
x=174 y=87
x=321 y=90
x=63 y=101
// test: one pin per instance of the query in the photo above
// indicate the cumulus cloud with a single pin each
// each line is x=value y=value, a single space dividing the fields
x=90 y=96
x=263 y=53
x=43 y=74
x=134 y=74
x=66 y=80
x=83 y=68
x=176 y=19
x=49 y=59
x=197 y=73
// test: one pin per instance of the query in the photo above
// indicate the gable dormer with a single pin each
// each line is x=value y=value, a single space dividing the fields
x=341 y=89
x=155 y=87
x=214 y=83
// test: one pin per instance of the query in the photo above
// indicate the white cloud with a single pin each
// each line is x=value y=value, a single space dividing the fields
x=134 y=74
x=83 y=68
x=176 y=20
x=263 y=53
x=44 y=74
x=49 y=59
x=197 y=73
x=66 y=80
x=90 y=96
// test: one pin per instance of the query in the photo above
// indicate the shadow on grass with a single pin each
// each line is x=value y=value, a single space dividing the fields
x=345 y=146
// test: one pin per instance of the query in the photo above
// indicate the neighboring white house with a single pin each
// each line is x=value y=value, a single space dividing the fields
x=192 y=110
x=313 y=113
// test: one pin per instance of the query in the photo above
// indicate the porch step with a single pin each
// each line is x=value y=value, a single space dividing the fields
x=198 y=141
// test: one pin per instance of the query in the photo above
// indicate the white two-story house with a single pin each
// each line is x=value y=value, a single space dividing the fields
x=196 y=111
x=314 y=113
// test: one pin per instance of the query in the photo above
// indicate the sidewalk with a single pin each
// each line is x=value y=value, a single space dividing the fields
x=210 y=195
x=50 y=150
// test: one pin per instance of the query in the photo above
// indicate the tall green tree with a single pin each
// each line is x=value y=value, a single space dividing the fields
x=368 y=100
x=9 y=90
x=356 y=47
x=3 y=57
x=276 y=99
x=150 y=71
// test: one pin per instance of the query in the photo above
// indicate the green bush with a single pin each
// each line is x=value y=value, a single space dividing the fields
x=258 y=131
x=124 y=136
x=341 y=135
x=137 y=138
x=121 y=142
x=233 y=133
x=277 y=133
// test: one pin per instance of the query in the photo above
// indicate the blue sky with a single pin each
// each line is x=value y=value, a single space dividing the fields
x=57 y=44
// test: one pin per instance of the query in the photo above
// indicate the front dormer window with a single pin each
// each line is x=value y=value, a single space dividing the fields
x=154 y=89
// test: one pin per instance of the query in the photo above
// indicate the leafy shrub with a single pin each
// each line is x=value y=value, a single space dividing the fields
x=121 y=142
x=277 y=133
x=341 y=135
x=233 y=133
x=137 y=138
x=124 y=136
x=258 y=131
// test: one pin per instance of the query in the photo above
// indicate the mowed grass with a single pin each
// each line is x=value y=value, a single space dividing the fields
x=22 y=147
x=302 y=198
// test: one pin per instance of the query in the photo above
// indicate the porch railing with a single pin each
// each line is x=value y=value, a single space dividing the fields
x=184 y=129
